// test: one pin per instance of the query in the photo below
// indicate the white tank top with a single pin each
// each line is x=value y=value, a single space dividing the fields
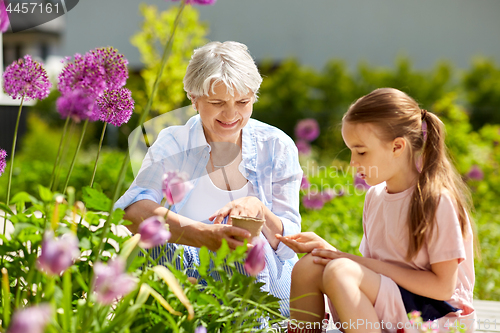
x=207 y=198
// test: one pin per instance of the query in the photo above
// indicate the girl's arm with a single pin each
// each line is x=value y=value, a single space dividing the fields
x=438 y=283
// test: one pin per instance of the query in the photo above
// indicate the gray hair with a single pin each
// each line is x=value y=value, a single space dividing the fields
x=215 y=62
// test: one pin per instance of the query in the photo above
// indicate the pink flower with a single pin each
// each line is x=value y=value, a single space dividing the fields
x=26 y=77
x=200 y=329
x=175 y=186
x=304 y=183
x=153 y=232
x=328 y=195
x=360 y=183
x=75 y=104
x=111 y=281
x=115 y=106
x=475 y=173
x=3 y=160
x=4 y=17
x=313 y=200
x=32 y=319
x=307 y=129
x=303 y=147
x=199 y=2
x=256 y=260
x=58 y=254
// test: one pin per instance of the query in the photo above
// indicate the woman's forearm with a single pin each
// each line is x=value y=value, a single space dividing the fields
x=272 y=227
x=185 y=231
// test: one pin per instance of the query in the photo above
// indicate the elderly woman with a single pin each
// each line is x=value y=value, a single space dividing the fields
x=261 y=177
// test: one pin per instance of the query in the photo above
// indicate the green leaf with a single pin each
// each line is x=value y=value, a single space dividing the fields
x=6 y=208
x=204 y=261
x=95 y=199
x=23 y=197
x=45 y=194
x=221 y=254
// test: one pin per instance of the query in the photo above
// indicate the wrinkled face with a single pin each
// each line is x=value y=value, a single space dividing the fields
x=371 y=157
x=223 y=116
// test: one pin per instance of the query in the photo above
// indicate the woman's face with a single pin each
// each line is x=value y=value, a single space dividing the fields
x=223 y=116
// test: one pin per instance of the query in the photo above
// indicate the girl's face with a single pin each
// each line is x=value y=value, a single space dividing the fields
x=223 y=116
x=372 y=158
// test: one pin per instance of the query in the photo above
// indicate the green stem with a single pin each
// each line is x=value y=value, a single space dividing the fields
x=135 y=139
x=11 y=166
x=98 y=152
x=76 y=154
x=64 y=151
x=58 y=156
x=5 y=297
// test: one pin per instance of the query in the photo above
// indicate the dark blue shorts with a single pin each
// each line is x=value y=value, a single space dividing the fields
x=429 y=308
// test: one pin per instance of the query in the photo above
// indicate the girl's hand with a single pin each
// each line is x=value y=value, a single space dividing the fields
x=324 y=256
x=247 y=206
x=304 y=242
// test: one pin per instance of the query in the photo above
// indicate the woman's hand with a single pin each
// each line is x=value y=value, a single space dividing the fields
x=247 y=206
x=305 y=242
x=215 y=233
x=324 y=256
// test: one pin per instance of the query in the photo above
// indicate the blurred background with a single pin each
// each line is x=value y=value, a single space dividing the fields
x=316 y=57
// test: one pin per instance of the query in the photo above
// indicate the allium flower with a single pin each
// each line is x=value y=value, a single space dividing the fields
x=58 y=254
x=256 y=260
x=3 y=163
x=111 y=281
x=115 y=106
x=475 y=173
x=303 y=147
x=304 y=184
x=75 y=104
x=26 y=77
x=327 y=195
x=313 y=200
x=200 y=329
x=307 y=129
x=199 y=2
x=96 y=71
x=32 y=319
x=82 y=73
x=113 y=66
x=360 y=183
x=4 y=17
x=153 y=232
x=175 y=186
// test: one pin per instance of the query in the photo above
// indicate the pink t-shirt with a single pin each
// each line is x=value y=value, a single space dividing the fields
x=385 y=238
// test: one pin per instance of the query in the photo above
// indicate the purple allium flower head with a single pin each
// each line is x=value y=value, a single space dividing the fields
x=153 y=232
x=115 y=106
x=175 y=186
x=26 y=77
x=303 y=147
x=200 y=329
x=113 y=66
x=4 y=17
x=199 y=2
x=3 y=162
x=82 y=73
x=304 y=184
x=75 y=104
x=313 y=200
x=328 y=194
x=475 y=173
x=111 y=281
x=32 y=319
x=360 y=183
x=58 y=254
x=307 y=129
x=96 y=71
x=256 y=260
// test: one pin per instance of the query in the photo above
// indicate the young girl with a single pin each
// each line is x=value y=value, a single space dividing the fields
x=417 y=244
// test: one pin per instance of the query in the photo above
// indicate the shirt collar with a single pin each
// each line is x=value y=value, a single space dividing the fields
x=249 y=141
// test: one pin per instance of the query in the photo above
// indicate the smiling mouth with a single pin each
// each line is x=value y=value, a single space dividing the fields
x=361 y=175
x=227 y=124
